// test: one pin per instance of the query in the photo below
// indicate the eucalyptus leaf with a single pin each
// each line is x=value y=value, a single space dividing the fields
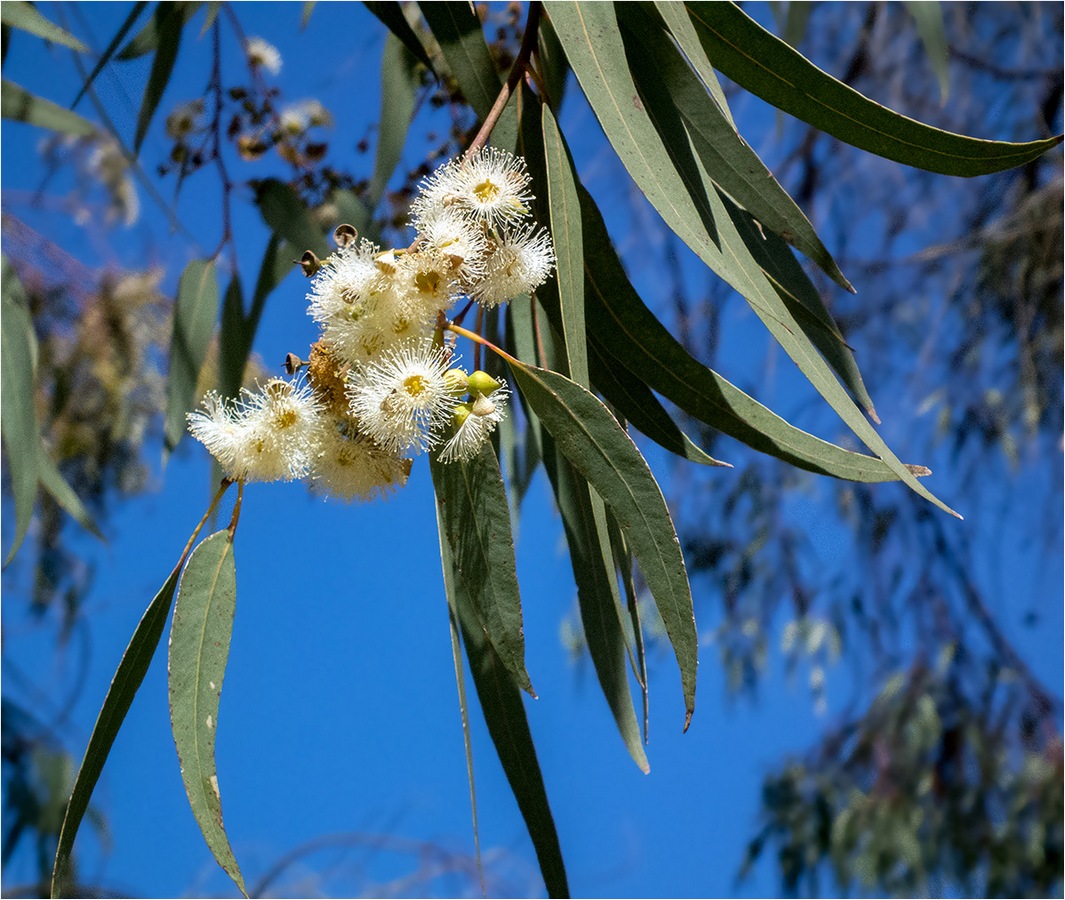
x=476 y=518
x=26 y=17
x=399 y=86
x=195 y=313
x=53 y=481
x=19 y=104
x=390 y=14
x=199 y=649
x=590 y=438
x=765 y=65
x=170 y=24
x=284 y=211
x=148 y=39
x=234 y=340
x=458 y=30
x=17 y=410
x=305 y=14
x=109 y=51
x=124 y=686
x=928 y=16
x=504 y=714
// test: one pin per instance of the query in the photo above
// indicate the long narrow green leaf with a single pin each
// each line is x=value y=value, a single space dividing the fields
x=195 y=313
x=53 y=481
x=624 y=563
x=305 y=14
x=24 y=16
x=214 y=7
x=473 y=507
x=17 y=410
x=584 y=520
x=390 y=14
x=728 y=158
x=199 y=649
x=277 y=263
x=19 y=104
x=928 y=16
x=128 y=677
x=624 y=329
x=680 y=26
x=285 y=213
x=779 y=74
x=234 y=340
x=170 y=25
x=565 y=213
x=553 y=63
x=590 y=438
x=148 y=39
x=399 y=86
x=458 y=30
x=504 y=714
x=109 y=51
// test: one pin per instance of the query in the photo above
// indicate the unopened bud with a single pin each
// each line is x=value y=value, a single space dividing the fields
x=483 y=383
x=482 y=406
x=461 y=414
x=309 y=263
x=344 y=235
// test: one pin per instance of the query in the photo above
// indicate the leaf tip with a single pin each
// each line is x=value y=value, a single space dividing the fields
x=872 y=413
x=688 y=719
x=918 y=471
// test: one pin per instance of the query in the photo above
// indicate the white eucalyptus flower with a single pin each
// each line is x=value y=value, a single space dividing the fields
x=262 y=55
x=355 y=468
x=521 y=261
x=476 y=421
x=492 y=185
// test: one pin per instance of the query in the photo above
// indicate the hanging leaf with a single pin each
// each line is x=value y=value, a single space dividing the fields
x=53 y=481
x=19 y=104
x=779 y=74
x=25 y=16
x=476 y=519
x=305 y=14
x=284 y=211
x=729 y=159
x=214 y=7
x=199 y=649
x=18 y=361
x=399 y=87
x=623 y=329
x=234 y=340
x=624 y=564
x=195 y=313
x=565 y=217
x=928 y=16
x=504 y=714
x=390 y=14
x=584 y=520
x=553 y=63
x=171 y=22
x=124 y=686
x=458 y=30
x=112 y=46
x=149 y=38
x=590 y=438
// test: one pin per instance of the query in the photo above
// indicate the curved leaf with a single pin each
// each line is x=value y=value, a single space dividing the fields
x=476 y=518
x=53 y=481
x=729 y=159
x=171 y=22
x=779 y=74
x=928 y=16
x=458 y=30
x=19 y=104
x=17 y=410
x=504 y=714
x=590 y=438
x=128 y=677
x=195 y=312
x=390 y=14
x=199 y=649
x=565 y=214
x=148 y=38
x=24 y=16
x=399 y=86
x=623 y=329
x=109 y=51
x=284 y=211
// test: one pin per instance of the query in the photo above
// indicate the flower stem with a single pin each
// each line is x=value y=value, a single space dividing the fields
x=473 y=336
x=517 y=70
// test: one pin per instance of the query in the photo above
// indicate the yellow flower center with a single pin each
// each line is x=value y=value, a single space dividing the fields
x=427 y=282
x=415 y=385
x=487 y=191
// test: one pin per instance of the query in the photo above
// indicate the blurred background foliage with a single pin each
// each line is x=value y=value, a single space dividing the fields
x=940 y=770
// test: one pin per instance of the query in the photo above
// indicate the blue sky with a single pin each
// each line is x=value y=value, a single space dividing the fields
x=340 y=712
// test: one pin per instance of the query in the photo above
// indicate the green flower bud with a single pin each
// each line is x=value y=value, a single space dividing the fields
x=461 y=414
x=483 y=383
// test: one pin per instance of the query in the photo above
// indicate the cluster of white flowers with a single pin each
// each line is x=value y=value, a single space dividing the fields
x=381 y=383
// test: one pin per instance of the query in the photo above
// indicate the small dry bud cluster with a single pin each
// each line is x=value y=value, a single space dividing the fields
x=380 y=385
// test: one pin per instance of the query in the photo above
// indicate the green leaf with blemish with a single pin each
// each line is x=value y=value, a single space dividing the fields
x=199 y=649
x=476 y=518
x=765 y=65
x=20 y=105
x=195 y=313
x=590 y=438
